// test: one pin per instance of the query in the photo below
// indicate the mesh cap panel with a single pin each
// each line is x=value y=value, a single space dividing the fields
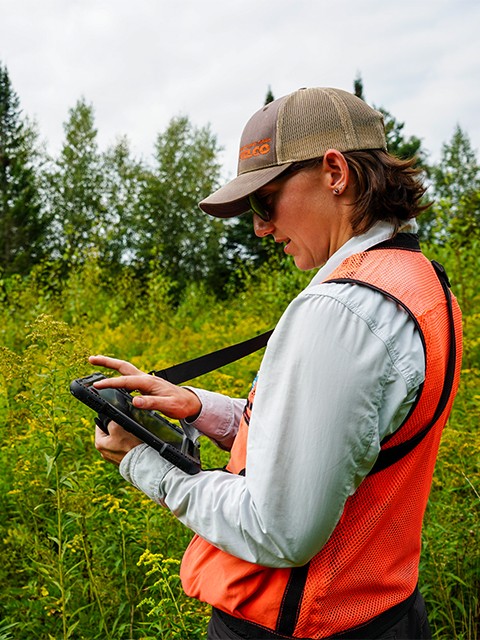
x=313 y=121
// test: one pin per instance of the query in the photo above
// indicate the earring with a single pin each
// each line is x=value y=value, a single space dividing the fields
x=336 y=191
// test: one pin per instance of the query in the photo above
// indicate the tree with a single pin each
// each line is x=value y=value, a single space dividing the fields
x=456 y=180
x=171 y=231
x=125 y=181
x=269 y=97
x=456 y=187
x=23 y=224
x=404 y=148
x=76 y=190
x=399 y=145
x=358 y=87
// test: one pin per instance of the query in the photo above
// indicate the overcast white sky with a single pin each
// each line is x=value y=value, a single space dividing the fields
x=141 y=62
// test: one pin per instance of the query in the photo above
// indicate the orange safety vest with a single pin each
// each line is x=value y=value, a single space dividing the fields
x=370 y=562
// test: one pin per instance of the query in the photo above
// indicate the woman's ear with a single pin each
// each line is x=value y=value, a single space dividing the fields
x=336 y=169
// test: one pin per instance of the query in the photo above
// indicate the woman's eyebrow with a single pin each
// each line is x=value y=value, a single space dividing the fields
x=268 y=189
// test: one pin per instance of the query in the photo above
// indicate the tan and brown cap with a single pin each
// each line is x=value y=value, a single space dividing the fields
x=300 y=126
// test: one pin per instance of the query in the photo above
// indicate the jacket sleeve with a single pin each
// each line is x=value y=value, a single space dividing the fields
x=219 y=417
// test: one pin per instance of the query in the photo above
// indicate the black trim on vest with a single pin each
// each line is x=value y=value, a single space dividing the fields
x=406 y=241
x=292 y=600
x=385 y=458
x=379 y=625
x=389 y=456
x=373 y=628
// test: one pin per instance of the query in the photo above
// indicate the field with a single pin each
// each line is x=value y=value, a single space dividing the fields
x=86 y=556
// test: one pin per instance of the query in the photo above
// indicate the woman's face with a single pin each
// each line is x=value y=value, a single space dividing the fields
x=306 y=215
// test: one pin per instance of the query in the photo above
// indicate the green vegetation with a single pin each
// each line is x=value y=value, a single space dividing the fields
x=81 y=550
x=83 y=554
x=104 y=253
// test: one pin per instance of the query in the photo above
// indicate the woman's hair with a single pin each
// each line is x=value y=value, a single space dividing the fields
x=385 y=188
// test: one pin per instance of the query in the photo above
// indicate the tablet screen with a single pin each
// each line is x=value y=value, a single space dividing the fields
x=147 y=419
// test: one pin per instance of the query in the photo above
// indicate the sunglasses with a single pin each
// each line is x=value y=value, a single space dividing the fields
x=257 y=206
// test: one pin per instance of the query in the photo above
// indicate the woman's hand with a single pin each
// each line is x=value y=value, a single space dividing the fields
x=173 y=401
x=114 y=446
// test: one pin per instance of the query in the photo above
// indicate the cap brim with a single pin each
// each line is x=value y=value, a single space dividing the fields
x=232 y=199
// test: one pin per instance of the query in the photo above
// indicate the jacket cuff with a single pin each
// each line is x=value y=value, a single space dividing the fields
x=145 y=469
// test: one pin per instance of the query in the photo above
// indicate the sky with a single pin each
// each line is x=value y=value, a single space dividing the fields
x=140 y=63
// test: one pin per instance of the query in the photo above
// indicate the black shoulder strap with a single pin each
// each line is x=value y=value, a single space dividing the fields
x=190 y=369
x=389 y=456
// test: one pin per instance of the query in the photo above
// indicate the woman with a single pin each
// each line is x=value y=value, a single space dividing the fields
x=315 y=532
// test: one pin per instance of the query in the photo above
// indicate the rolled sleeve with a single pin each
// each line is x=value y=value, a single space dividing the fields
x=219 y=417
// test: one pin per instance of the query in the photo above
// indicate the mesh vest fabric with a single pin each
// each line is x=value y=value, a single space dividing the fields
x=370 y=563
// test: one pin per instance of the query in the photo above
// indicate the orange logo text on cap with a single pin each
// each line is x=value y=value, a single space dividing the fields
x=258 y=148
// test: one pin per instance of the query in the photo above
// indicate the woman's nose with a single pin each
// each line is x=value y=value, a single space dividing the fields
x=261 y=227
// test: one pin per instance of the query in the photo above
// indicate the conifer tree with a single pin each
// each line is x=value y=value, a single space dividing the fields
x=358 y=87
x=397 y=143
x=402 y=147
x=22 y=223
x=269 y=97
x=456 y=186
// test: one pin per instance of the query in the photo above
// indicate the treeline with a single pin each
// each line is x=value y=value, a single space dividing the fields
x=86 y=204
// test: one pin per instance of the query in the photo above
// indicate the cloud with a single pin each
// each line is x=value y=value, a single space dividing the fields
x=142 y=63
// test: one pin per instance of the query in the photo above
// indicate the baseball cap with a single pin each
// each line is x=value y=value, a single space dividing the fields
x=300 y=126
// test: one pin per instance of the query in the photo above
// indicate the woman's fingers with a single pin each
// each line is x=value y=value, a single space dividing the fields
x=173 y=401
x=117 y=444
x=132 y=382
x=122 y=366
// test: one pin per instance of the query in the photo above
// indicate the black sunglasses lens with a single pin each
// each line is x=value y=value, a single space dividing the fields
x=258 y=208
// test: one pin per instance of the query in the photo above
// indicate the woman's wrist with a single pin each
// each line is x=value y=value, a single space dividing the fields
x=194 y=406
